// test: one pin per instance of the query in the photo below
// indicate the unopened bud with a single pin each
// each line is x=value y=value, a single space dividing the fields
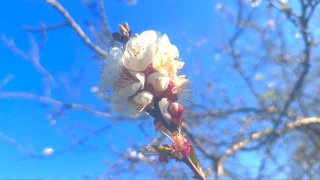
x=175 y=109
x=123 y=30
x=126 y=25
x=171 y=92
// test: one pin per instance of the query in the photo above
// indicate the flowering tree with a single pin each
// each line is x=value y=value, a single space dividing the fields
x=261 y=125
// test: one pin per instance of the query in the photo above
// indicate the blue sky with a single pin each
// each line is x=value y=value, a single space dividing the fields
x=65 y=55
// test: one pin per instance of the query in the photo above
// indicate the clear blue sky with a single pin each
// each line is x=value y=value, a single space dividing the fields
x=66 y=56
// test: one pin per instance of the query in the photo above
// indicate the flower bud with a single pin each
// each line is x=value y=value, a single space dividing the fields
x=175 y=109
x=171 y=92
x=126 y=25
x=123 y=30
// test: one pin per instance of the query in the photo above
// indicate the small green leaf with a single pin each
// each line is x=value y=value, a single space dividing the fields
x=194 y=159
x=164 y=150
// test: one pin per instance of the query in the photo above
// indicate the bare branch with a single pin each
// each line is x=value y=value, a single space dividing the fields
x=256 y=136
x=76 y=27
x=22 y=95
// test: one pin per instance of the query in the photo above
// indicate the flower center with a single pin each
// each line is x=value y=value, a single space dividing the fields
x=178 y=141
x=138 y=50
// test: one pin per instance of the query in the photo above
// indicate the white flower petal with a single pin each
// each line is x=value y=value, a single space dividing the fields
x=164 y=104
x=150 y=36
x=139 y=62
x=128 y=85
x=165 y=47
x=111 y=68
x=121 y=105
x=130 y=89
x=143 y=99
x=179 y=64
x=139 y=76
x=159 y=81
x=173 y=51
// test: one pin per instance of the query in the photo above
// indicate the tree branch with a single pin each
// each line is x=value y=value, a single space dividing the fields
x=256 y=136
x=76 y=27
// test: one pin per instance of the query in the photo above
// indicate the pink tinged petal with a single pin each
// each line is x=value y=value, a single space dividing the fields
x=175 y=109
x=111 y=68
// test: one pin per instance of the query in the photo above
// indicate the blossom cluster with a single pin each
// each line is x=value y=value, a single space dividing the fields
x=146 y=68
x=142 y=73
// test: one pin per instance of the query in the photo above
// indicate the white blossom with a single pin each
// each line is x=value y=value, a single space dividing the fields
x=158 y=81
x=112 y=68
x=129 y=84
x=166 y=48
x=130 y=106
x=166 y=60
x=140 y=51
x=142 y=99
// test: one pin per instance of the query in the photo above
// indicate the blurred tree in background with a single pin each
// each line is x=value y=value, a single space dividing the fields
x=254 y=67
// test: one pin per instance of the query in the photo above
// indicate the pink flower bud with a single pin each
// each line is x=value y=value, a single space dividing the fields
x=175 y=109
x=171 y=92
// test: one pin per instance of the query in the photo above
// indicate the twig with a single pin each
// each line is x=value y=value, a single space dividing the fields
x=46 y=100
x=157 y=114
x=5 y=80
x=256 y=136
x=44 y=27
x=76 y=27
x=32 y=58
